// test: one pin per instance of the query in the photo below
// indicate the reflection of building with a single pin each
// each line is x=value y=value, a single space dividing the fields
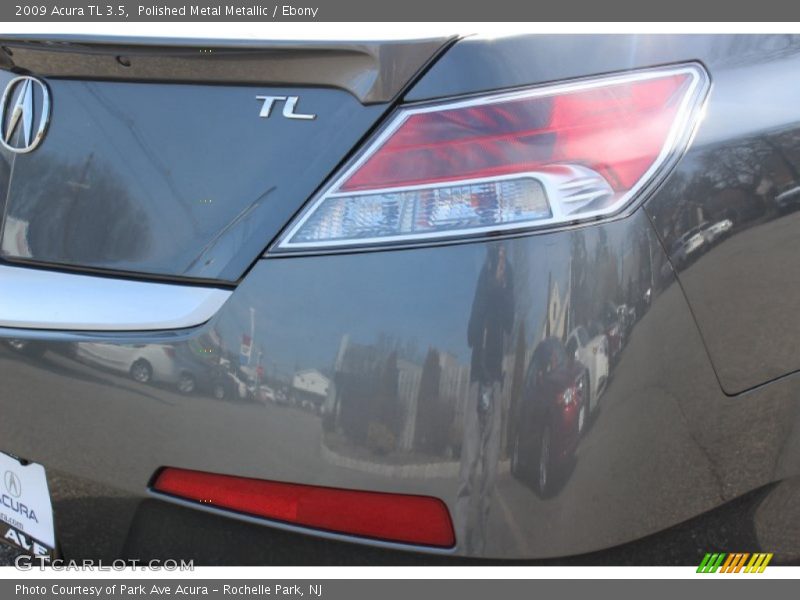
x=375 y=385
x=358 y=370
x=310 y=385
x=555 y=322
x=454 y=384
x=408 y=379
x=450 y=396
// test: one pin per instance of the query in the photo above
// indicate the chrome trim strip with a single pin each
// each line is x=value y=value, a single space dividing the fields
x=39 y=299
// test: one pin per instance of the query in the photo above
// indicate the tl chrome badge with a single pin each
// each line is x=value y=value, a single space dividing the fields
x=24 y=114
x=289 y=105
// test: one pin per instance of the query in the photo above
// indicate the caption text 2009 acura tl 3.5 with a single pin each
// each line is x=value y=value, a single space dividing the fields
x=511 y=298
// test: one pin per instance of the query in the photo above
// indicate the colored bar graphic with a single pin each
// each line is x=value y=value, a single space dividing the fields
x=734 y=562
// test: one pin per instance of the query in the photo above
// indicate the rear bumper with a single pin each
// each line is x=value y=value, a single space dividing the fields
x=381 y=339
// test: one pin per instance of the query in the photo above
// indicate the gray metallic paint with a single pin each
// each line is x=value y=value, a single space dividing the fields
x=194 y=188
x=666 y=444
x=658 y=452
x=373 y=72
x=745 y=154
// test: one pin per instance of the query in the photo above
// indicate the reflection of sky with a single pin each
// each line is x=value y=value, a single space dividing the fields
x=422 y=295
x=761 y=92
x=305 y=305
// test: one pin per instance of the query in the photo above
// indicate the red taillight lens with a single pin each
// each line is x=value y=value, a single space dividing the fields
x=523 y=159
x=617 y=130
x=420 y=520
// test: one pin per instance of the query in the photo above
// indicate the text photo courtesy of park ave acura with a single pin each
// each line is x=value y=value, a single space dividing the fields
x=340 y=294
x=126 y=590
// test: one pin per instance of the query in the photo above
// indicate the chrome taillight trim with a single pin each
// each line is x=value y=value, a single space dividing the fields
x=676 y=142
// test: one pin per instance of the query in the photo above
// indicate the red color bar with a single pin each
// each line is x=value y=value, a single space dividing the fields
x=421 y=520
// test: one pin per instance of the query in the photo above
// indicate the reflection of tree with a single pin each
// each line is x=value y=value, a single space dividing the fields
x=389 y=405
x=744 y=49
x=78 y=213
x=432 y=413
x=357 y=379
x=378 y=398
x=604 y=274
x=732 y=181
x=517 y=378
x=580 y=296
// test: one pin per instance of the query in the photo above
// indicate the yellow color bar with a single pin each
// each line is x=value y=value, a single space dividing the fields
x=765 y=563
x=759 y=562
x=752 y=562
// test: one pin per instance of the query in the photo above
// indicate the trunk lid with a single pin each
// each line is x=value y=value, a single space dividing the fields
x=156 y=161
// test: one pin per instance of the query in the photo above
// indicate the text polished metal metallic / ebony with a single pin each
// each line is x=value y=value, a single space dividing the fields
x=521 y=392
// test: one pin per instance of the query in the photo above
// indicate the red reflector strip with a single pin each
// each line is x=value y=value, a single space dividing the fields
x=420 y=520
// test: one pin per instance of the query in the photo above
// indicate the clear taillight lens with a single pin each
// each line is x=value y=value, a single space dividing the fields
x=527 y=159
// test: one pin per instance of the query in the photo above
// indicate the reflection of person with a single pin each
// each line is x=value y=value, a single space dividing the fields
x=489 y=325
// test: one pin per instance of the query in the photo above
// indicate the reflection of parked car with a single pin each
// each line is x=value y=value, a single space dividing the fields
x=592 y=352
x=205 y=379
x=552 y=414
x=614 y=330
x=688 y=245
x=789 y=199
x=221 y=385
x=716 y=231
x=145 y=363
x=27 y=347
x=237 y=385
x=281 y=397
x=266 y=393
x=627 y=317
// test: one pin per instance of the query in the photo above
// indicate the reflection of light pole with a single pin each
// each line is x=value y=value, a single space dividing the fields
x=252 y=335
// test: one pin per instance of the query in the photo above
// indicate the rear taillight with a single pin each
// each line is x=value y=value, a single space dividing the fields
x=519 y=160
x=571 y=395
x=408 y=519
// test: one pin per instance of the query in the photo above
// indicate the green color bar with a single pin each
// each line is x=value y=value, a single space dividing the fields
x=719 y=562
x=702 y=566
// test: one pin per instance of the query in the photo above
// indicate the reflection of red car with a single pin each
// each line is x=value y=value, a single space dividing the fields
x=551 y=416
